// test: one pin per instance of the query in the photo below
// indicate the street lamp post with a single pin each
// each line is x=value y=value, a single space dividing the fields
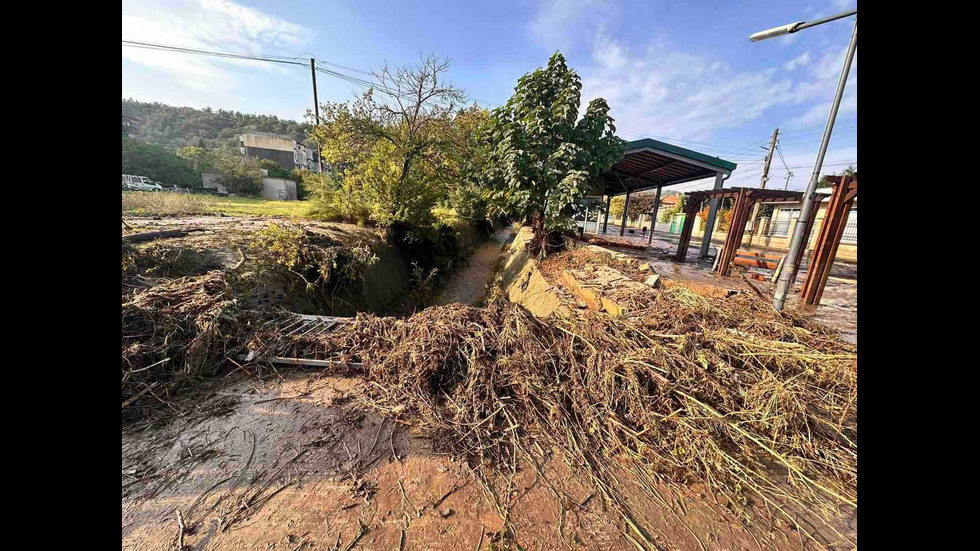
x=799 y=239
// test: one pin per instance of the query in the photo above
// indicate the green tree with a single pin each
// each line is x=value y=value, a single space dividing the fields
x=157 y=163
x=640 y=203
x=544 y=159
x=463 y=161
x=387 y=144
x=274 y=170
x=668 y=213
x=239 y=175
x=199 y=158
x=851 y=170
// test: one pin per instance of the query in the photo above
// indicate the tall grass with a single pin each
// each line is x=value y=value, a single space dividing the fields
x=158 y=203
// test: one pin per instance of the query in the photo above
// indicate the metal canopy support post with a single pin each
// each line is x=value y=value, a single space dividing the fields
x=653 y=218
x=605 y=224
x=710 y=224
x=626 y=208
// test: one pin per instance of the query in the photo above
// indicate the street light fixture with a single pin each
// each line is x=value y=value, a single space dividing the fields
x=798 y=26
x=776 y=31
x=799 y=240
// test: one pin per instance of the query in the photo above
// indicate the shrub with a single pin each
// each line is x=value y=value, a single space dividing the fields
x=241 y=176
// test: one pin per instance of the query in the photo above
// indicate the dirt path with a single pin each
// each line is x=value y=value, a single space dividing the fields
x=467 y=286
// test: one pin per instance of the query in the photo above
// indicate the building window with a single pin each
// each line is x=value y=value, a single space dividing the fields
x=782 y=222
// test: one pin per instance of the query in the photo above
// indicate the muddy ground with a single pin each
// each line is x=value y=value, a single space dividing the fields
x=298 y=463
x=838 y=306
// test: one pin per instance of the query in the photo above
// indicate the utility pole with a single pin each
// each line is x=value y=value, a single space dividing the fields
x=765 y=178
x=799 y=240
x=316 y=112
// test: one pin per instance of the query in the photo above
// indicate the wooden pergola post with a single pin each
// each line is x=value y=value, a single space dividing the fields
x=828 y=241
x=740 y=216
x=693 y=203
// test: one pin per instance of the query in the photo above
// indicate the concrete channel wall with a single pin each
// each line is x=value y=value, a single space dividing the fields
x=522 y=282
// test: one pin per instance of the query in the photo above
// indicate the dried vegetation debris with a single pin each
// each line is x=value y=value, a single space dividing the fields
x=725 y=392
x=757 y=405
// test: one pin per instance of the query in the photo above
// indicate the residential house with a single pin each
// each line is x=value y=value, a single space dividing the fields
x=283 y=150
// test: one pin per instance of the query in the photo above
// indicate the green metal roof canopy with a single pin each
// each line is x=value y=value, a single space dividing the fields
x=651 y=163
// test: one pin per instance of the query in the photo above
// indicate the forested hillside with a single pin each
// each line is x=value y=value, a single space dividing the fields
x=174 y=127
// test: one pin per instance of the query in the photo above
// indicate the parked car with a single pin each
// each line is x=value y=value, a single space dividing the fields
x=140 y=183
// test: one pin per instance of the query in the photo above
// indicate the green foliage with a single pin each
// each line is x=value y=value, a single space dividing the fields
x=176 y=127
x=464 y=158
x=851 y=170
x=333 y=201
x=668 y=213
x=391 y=148
x=240 y=175
x=640 y=203
x=544 y=160
x=274 y=170
x=157 y=163
x=199 y=158
x=306 y=180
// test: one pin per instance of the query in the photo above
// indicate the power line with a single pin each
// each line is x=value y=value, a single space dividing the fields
x=269 y=58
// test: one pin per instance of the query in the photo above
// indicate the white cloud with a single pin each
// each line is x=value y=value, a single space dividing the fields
x=800 y=61
x=665 y=92
x=818 y=113
x=823 y=77
x=219 y=25
x=558 y=24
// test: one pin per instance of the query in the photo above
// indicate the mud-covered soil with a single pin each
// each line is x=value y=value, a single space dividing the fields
x=300 y=464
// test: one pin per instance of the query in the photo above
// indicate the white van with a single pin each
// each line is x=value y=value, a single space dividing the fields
x=139 y=183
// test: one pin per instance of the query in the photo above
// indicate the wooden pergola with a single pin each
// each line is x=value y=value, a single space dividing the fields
x=744 y=199
x=844 y=191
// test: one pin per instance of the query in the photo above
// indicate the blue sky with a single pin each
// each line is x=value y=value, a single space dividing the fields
x=682 y=72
